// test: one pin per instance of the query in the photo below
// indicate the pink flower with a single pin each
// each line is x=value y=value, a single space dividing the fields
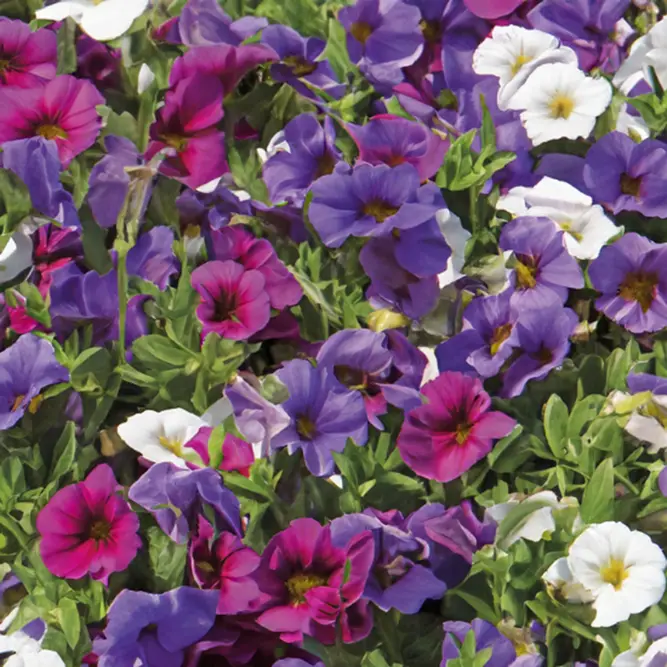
x=187 y=126
x=236 y=453
x=234 y=301
x=492 y=9
x=303 y=575
x=454 y=430
x=87 y=528
x=62 y=110
x=26 y=58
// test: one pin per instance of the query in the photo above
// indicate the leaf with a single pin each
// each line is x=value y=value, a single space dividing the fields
x=70 y=621
x=597 y=504
x=15 y=203
x=488 y=129
x=159 y=352
x=63 y=453
x=336 y=51
x=91 y=370
x=583 y=412
x=167 y=560
x=67 y=47
x=555 y=424
x=95 y=251
x=12 y=481
x=374 y=659
x=35 y=305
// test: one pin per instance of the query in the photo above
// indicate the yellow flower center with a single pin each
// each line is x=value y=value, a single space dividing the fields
x=567 y=228
x=379 y=210
x=299 y=65
x=33 y=406
x=172 y=444
x=432 y=30
x=639 y=286
x=99 y=530
x=175 y=141
x=361 y=31
x=462 y=432
x=305 y=427
x=614 y=573
x=51 y=132
x=521 y=60
x=525 y=275
x=500 y=335
x=630 y=186
x=561 y=106
x=299 y=584
x=192 y=232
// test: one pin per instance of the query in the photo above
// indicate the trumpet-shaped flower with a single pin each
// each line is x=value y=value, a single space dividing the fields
x=28 y=58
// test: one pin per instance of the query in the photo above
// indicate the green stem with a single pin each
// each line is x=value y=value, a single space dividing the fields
x=122 y=299
x=474 y=221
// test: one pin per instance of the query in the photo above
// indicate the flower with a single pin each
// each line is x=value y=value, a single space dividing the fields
x=176 y=498
x=23 y=648
x=152 y=257
x=314 y=586
x=626 y=176
x=62 y=110
x=87 y=528
x=237 y=454
x=371 y=200
x=27 y=58
x=323 y=418
x=453 y=430
x=653 y=656
x=559 y=100
x=15 y=257
x=621 y=570
x=26 y=367
x=234 y=301
x=492 y=9
x=631 y=276
x=543 y=266
x=103 y=20
x=154 y=630
x=98 y=63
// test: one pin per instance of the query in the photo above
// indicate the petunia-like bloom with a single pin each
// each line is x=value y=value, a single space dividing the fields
x=621 y=571
x=186 y=128
x=543 y=265
x=152 y=257
x=314 y=587
x=323 y=417
x=234 y=301
x=23 y=648
x=103 y=20
x=27 y=58
x=558 y=100
x=393 y=140
x=492 y=9
x=400 y=577
x=654 y=655
x=87 y=528
x=154 y=630
x=543 y=337
x=453 y=430
x=177 y=497
x=487 y=636
x=309 y=152
x=225 y=564
x=26 y=367
x=16 y=256
x=631 y=276
x=384 y=368
x=626 y=176
x=63 y=110
x=371 y=200
x=300 y=63
x=99 y=63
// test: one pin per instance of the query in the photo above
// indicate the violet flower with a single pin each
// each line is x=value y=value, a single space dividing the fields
x=28 y=58
x=152 y=257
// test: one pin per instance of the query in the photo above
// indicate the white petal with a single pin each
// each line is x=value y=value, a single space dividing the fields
x=141 y=429
x=15 y=257
x=647 y=429
x=65 y=9
x=210 y=186
x=218 y=412
x=431 y=371
x=180 y=425
x=146 y=77
x=611 y=608
x=456 y=237
x=111 y=18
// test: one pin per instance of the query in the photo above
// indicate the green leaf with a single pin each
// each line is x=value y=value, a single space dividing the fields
x=488 y=129
x=597 y=504
x=70 y=621
x=374 y=659
x=12 y=481
x=67 y=47
x=167 y=560
x=160 y=352
x=15 y=203
x=555 y=424
x=64 y=453
x=91 y=370
x=94 y=243
x=35 y=305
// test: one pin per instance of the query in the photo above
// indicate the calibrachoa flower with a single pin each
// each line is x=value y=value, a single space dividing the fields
x=63 y=110
x=16 y=256
x=492 y=9
x=453 y=430
x=647 y=51
x=154 y=630
x=152 y=257
x=314 y=587
x=26 y=368
x=27 y=58
x=621 y=570
x=24 y=647
x=87 y=528
x=630 y=274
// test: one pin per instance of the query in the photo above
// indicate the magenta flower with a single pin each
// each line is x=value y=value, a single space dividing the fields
x=454 y=430
x=186 y=126
x=87 y=528
x=234 y=301
x=27 y=58
x=62 y=110
x=237 y=454
x=304 y=576
x=492 y=9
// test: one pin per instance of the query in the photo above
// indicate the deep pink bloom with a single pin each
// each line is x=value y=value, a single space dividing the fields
x=492 y=9
x=62 y=110
x=187 y=125
x=236 y=453
x=234 y=301
x=225 y=564
x=453 y=430
x=87 y=528
x=227 y=63
x=304 y=576
x=26 y=58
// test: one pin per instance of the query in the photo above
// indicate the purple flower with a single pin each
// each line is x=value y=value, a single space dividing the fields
x=152 y=257
x=312 y=153
x=98 y=63
x=29 y=59
x=176 y=497
x=543 y=265
x=382 y=367
x=323 y=418
x=453 y=536
x=298 y=61
x=632 y=276
x=640 y=382
x=35 y=161
x=110 y=182
x=26 y=367
x=398 y=578
x=154 y=630
x=423 y=250
x=626 y=176
x=543 y=338
x=210 y=210
x=371 y=201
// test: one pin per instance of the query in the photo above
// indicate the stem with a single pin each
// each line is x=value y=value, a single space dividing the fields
x=474 y=222
x=122 y=299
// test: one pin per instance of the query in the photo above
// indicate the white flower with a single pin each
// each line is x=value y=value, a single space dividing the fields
x=431 y=371
x=456 y=237
x=15 y=257
x=635 y=658
x=621 y=570
x=101 y=19
x=647 y=419
x=161 y=436
x=558 y=100
x=634 y=126
x=27 y=652
x=587 y=228
x=146 y=77
x=276 y=144
x=512 y=53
